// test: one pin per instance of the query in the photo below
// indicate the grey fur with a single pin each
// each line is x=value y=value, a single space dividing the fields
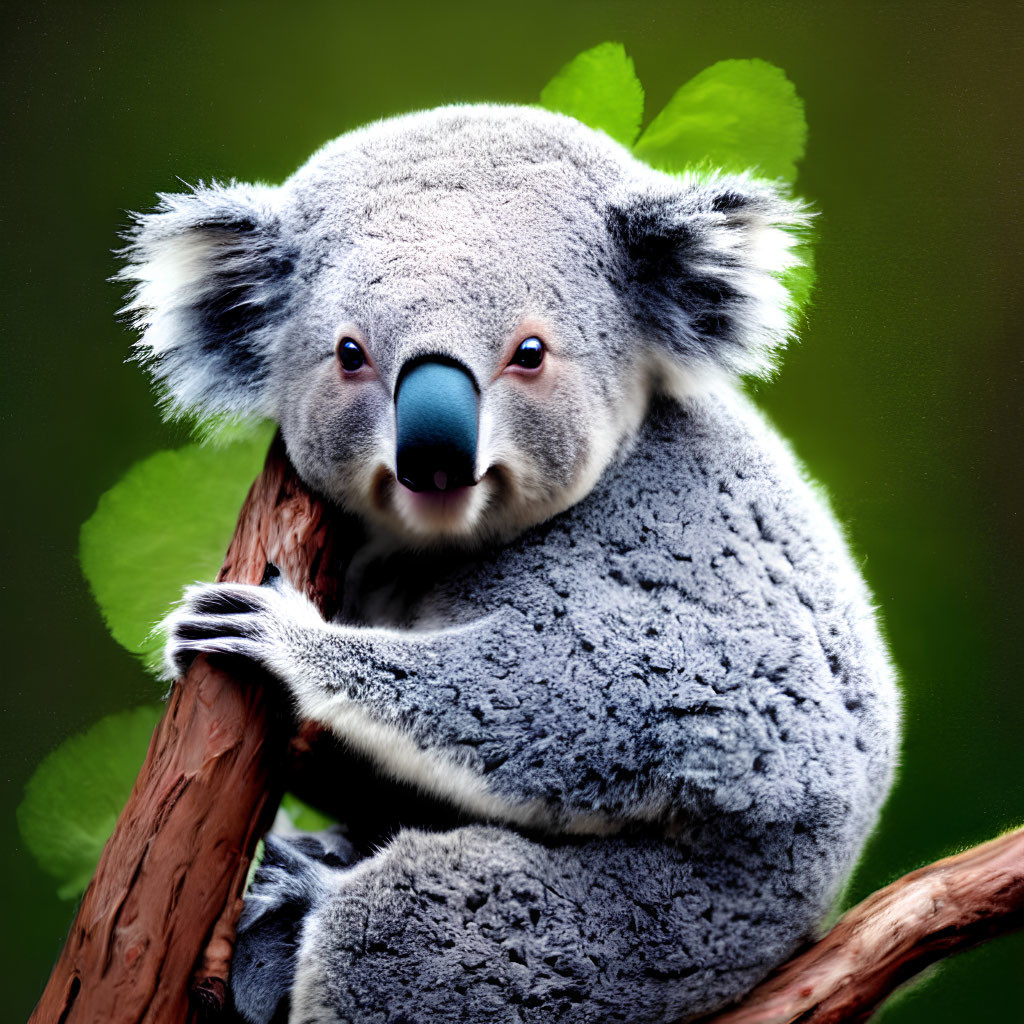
x=211 y=276
x=642 y=665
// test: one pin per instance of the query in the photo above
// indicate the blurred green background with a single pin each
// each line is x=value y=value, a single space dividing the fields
x=904 y=398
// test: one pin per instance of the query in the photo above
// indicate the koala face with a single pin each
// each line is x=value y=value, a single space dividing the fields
x=489 y=265
x=457 y=317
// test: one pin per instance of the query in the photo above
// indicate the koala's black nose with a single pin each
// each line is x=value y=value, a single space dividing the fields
x=436 y=410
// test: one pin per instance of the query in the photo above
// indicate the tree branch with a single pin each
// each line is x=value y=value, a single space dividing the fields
x=944 y=908
x=168 y=888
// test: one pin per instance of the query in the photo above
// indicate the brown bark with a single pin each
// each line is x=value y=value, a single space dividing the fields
x=944 y=908
x=168 y=889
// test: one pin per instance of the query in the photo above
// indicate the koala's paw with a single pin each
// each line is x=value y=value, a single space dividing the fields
x=265 y=624
x=287 y=886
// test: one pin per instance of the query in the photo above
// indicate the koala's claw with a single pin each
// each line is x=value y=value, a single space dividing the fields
x=224 y=599
x=226 y=618
x=270 y=575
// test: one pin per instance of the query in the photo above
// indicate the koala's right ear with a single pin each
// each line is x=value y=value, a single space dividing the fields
x=211 y=278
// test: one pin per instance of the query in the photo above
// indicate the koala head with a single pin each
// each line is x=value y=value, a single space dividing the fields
x=457 y=317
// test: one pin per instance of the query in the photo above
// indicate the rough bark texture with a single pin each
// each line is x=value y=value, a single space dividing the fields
x=168 y=889
x=940 y=909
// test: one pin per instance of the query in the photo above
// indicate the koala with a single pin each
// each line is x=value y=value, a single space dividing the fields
x=595 y=614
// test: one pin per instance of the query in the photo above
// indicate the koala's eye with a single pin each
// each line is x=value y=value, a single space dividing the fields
x=350 y=355
x=529 y=355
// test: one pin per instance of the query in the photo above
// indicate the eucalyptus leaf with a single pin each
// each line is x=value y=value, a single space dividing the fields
x=72 y=801
x=735 y=115
x=599 y=87
x=165 y=524
x=303 y=816
x=799 y=281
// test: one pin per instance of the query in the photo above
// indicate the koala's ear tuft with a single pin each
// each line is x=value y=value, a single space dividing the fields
x=702 y=262
x=211 y=280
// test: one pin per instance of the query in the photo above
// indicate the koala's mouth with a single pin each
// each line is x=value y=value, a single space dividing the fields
x=445 y=501
x=451 y=512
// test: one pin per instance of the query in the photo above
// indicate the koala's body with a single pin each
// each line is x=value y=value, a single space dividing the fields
x=595 y=609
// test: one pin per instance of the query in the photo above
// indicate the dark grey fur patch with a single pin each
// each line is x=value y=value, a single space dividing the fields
x=206 y=340
x=685 y=288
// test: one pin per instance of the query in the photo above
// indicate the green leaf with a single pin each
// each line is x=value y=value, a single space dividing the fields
x=254 y=864
x=599 y=87
x=304 y=817
x=735 y=115
x=165 y=524
x=72 y=801
x=799 y=281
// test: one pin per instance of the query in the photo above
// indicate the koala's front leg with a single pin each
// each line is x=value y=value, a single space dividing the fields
x=535 y=727
x=464 y=712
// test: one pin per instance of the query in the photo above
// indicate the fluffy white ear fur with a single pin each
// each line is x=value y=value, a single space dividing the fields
x=703 y=261
x=210 y=283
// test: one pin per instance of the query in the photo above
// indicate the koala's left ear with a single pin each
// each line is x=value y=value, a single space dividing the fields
x=699 y=261
x=211 y=277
